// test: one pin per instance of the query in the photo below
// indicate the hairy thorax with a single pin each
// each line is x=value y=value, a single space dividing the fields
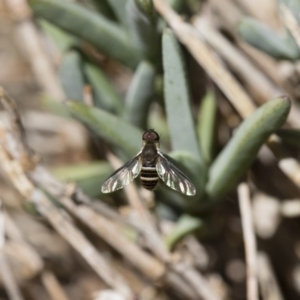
x=149 y=155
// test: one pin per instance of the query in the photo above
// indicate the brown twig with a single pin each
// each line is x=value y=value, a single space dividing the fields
x=249 y=240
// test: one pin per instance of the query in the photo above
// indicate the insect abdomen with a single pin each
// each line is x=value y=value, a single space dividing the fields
x=149 y=177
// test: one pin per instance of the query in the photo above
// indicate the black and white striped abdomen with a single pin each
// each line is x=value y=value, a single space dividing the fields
x=149 y=177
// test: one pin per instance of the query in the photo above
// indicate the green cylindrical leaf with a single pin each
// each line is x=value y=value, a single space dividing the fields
x=178 y=99
x=56 y=107
x=109 y=127
x=158 y=121
x=92 y=27
x=139 y=95
x=119 y=9
x=62 y=39
x=185 y=225
x=105 y=95
x=142 y=25
x=206 y=126
x=70 y=75
x=82 y=170
x=146 y=7
x=86 y=175
x=104 y=8
x=242 y=149
x=265 y=39
x=290 y=137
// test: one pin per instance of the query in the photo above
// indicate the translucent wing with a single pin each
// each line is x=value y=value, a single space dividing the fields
x=173 y=177
x=123 y=175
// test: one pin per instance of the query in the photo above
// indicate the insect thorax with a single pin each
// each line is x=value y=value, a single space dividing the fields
x=149 y=155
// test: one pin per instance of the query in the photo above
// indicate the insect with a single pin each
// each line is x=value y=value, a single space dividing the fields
x=151 y=164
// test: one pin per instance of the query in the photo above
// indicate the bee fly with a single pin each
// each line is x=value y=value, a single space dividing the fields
x=152 y=165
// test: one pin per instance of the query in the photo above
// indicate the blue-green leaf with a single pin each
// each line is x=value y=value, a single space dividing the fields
x=265 y=39
x=142 y=26
x=139 y=95
x=70 y=74
x=178 y=99
x=106 y=35
x=119 y=8
x=158 y=122
x=104 y=8
x=86 y=175
x=105 y=95
x=111 y=128
x=207 y=125
x=242 y=149
x=63 y=40
x=184 y=226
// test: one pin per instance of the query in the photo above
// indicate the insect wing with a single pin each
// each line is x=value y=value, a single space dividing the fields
x=173 y=177
x=123 y=175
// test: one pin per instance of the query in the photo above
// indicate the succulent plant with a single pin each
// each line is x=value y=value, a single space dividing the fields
x=279 y=45
x=132 y=33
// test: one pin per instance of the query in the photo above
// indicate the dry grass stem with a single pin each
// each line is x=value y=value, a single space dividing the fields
x=269 y=286
x=249 y=240
x=290 y=22
x=198 y=282
x=266 y=13
x=16 y=126
x=290 y=208
x=30 y=41
x=145 y=221
x=41 y=178
x=8 y=278
x=53 y=287
x=88 y=95
x=58 y=220
x=261 y=87
x=230 y=17
x=290 y=167
x=71 y=190
x=106 y=229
